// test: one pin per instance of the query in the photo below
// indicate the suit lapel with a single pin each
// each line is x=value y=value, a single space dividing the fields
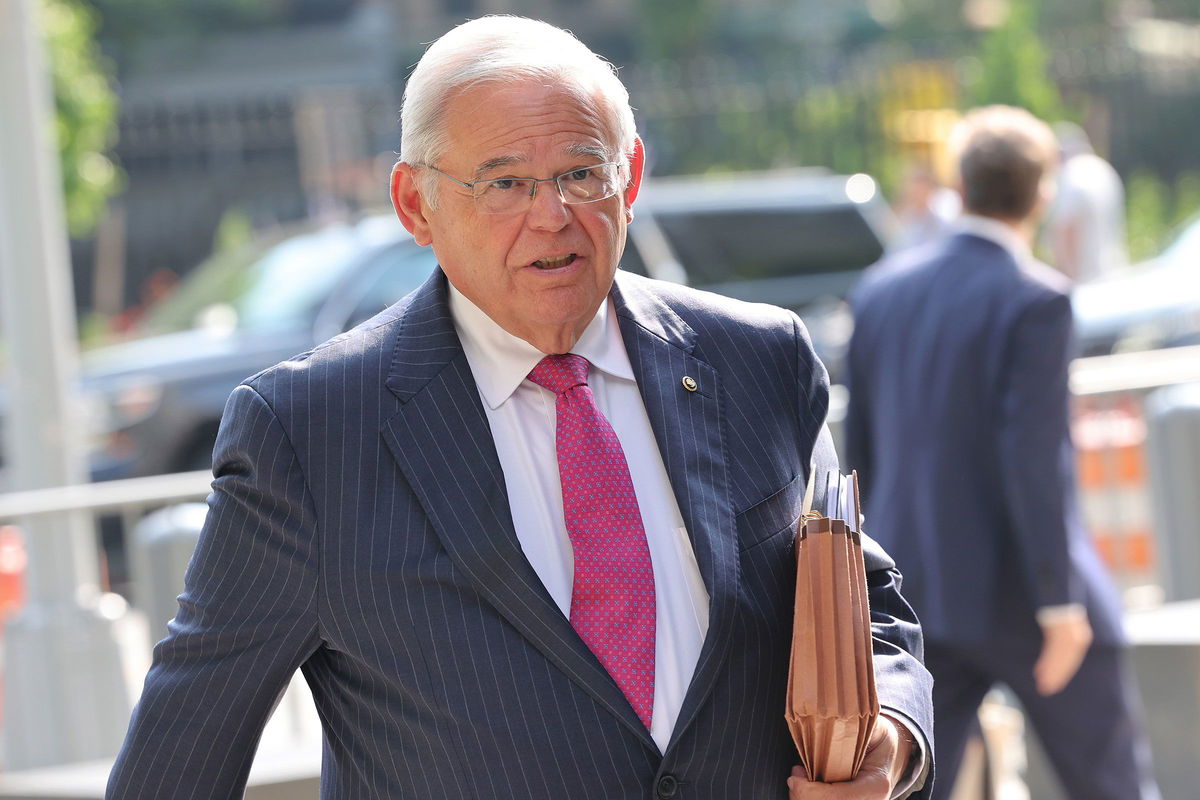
x=442 y=442
x=688 y=429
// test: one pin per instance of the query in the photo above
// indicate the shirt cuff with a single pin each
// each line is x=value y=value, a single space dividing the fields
x=918 y=760
x=1049 y=615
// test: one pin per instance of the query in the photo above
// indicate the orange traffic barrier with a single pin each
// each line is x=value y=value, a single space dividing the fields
x=1110 y=439
x=12 y=570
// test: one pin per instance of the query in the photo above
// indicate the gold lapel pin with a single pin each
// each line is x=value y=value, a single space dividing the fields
x=689 y=383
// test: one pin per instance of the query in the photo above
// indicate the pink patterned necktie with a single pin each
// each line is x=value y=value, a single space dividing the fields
x=612 y=600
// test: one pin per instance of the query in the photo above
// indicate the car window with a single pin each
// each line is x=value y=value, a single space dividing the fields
x=391 y=274
x=1185 y=248
x=272 y=288
x=721 y=246
x=218 y=280
x=294 y=278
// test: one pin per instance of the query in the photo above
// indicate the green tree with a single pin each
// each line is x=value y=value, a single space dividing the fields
x=676 y=29
x=85 y=112
x=1146 y=212
x=1013 y=66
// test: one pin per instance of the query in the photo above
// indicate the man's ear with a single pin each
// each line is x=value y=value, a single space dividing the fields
x=637 y=163
x=409 y=204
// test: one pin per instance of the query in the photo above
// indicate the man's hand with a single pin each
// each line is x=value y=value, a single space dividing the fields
x=1065 y=643
x=885 y=763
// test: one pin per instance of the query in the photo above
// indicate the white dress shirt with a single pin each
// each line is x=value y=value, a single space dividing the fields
x=522 y=418
x=996 y=232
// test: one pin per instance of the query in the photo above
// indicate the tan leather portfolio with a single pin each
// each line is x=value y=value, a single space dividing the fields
x=831 y=700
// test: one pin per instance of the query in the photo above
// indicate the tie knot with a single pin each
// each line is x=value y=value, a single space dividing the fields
x=559 y=373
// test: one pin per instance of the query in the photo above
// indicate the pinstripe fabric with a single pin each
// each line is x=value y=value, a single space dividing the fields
x=359 y=529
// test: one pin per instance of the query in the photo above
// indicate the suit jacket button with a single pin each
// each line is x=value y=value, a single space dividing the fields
x=689 y=383
x=668 y=787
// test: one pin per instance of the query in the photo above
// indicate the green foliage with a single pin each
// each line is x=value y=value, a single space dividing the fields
x=1013 y=66
x=85 y=112
x=675 y=28
x=1155 y=209
x=1145 y=214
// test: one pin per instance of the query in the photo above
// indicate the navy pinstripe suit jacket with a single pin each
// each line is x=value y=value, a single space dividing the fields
x=359 y=530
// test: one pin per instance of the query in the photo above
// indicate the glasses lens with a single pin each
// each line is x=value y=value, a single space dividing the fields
x=588 y=184
x=513 y=195
x=503 y=195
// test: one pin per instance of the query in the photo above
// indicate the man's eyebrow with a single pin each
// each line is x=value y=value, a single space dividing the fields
x=589 y=151
x=496 y=163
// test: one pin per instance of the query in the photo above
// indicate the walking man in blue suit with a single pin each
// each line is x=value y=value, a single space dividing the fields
x=958 y=425
x=528 y=532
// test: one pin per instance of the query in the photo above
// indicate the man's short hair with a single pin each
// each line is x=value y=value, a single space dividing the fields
x=502 y=49
x=1003 y=154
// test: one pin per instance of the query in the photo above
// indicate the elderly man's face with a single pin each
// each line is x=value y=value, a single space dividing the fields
x=541 y=273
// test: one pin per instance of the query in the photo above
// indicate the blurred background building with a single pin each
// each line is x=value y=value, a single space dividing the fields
x=277 y=111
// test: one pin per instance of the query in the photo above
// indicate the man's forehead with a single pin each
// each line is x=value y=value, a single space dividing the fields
x=506 y=124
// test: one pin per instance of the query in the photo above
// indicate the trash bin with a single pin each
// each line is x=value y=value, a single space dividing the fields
x=1173 y=450
x=163 y=542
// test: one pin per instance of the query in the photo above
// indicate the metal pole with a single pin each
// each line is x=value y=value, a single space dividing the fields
x=65 y=698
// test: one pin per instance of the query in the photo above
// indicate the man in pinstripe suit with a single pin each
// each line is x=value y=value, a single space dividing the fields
x=388 y=511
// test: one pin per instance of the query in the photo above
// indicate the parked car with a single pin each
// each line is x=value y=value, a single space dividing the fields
x=154 y=403
x=798 y=239
x=1155 y=304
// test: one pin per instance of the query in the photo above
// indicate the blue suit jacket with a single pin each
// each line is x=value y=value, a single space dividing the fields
x=958 y=424
x=359 y=530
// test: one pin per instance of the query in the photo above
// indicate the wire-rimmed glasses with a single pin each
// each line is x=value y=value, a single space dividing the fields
x=514 y=195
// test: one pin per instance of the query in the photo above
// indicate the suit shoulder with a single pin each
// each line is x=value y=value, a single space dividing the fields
x=1045 y=279
x=364 y=349
x=704 y=309
x=898 y=268
x=732 y=335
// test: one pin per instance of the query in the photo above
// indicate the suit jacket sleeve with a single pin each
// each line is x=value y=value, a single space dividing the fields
x=1035 y=446
x=246 y=620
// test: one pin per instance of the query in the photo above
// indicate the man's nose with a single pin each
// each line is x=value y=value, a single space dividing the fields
x=548 y=211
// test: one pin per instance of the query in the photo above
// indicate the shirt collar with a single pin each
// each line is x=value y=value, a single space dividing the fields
x=500 y=361
x=997 y=232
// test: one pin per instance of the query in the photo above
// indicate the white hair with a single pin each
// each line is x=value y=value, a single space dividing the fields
x=505 y=49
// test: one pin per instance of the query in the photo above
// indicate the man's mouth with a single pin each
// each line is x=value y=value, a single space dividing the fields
x=555 y=263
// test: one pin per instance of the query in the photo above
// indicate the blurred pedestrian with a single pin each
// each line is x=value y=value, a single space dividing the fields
x=925 y=209
x=958 y=424
x=457 y=520
x=1085 y=227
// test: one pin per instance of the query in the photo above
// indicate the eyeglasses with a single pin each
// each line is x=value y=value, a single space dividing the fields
x=515 y=195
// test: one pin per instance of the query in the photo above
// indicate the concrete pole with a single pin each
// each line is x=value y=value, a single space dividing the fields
x=65 y=697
